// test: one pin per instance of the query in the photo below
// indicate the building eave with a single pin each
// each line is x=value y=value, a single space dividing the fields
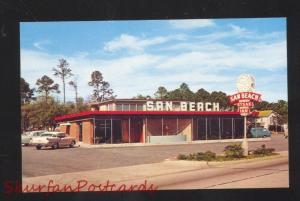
x=141 y=113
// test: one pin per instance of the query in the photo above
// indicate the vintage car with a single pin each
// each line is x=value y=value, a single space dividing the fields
x=26 y=138
x=260 y=132
x=53 y=140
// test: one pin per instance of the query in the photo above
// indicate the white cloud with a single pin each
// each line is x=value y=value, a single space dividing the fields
x=137 y=44
x=120 y=73
x=39 y=44
x=268 y=56
x=234 y=32
x=210 y=41
x=128 y=76
x=191 y=24
x=200 y=63
x=236 y=29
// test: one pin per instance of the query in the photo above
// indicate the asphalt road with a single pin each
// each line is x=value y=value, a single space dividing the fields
x=260 y=174
x=46 y=162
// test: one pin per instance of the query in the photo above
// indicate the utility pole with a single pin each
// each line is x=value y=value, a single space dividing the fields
x=245 y=140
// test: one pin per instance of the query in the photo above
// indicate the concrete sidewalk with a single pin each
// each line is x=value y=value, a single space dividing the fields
x=84 y=145
x=155 y=173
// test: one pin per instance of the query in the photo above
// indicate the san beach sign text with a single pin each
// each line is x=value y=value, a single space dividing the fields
x=181 y=106
x=247 y=96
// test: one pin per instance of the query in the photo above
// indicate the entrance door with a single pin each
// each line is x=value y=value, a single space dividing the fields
x=68 y=129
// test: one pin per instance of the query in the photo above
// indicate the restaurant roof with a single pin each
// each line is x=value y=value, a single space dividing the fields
x=264 y=113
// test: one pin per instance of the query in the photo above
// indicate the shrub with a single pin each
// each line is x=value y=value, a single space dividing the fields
x=200 y=156
x=207 y=156
x=263 y=151
x=190 y=157
x=181 y=157
x=234 y=151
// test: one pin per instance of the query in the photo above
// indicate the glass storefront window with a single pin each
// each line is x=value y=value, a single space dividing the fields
x=213 y=129
x=170 y=126
x=139 y=107
x=133 y=107
x=110 y=107
x=226 y=128
x=201 y=129
x=102 y=131
x=238 y=128
x=154 y=126
x=125 y=107
x=119 y=107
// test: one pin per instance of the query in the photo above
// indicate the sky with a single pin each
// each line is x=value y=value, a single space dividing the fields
x=136 y=57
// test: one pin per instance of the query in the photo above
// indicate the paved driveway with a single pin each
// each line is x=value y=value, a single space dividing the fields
x=45 y=162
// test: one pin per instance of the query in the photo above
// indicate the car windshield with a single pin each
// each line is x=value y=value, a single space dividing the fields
x=37 y=133
x=47 y=135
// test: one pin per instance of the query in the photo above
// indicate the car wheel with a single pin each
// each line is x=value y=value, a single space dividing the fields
x=72 y=144
x=38 y=147
x=55 y=146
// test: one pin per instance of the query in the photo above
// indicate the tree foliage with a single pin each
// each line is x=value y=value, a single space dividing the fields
x=221 y=98
x=63 y=71
x=37 y=115
x=102 y=90
x=46 y=85
x=73 y=83
x=26 y=92
x=185 y=91
x=140 y=96
x=202 y=95
x=161 y=93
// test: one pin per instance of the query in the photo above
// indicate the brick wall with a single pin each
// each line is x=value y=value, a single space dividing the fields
x=74 y=131
x=87 y=131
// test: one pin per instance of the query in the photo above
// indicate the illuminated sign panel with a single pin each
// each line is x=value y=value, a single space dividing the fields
x=245 y=97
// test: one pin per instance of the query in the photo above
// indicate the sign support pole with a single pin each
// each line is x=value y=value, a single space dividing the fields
x=245 y=141
x=244 y=100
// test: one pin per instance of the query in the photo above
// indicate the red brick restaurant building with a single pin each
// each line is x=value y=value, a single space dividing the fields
x=151 y=121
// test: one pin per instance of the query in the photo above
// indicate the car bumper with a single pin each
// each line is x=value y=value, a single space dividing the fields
x=41 y=144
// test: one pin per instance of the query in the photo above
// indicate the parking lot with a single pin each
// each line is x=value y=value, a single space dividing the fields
x=46 y=162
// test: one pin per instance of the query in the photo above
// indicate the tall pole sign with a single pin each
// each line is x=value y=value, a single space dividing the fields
x=244 y=100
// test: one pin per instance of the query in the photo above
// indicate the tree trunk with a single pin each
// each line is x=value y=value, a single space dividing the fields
x=97 y=96
x=63 y=79
x=46 y=97
x=76 y=99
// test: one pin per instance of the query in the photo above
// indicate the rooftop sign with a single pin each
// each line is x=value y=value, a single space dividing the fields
x=245 y=97
x=181 y=106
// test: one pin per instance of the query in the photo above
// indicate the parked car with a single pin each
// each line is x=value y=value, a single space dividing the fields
x=27 y=137
x=260 y=132
x=54 y=140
